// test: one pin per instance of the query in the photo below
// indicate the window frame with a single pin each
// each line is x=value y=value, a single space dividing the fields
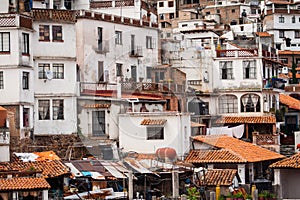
x=25 y=80
x=58 y=109
x=1 y=80
x=297 y=33
x=155 y=132
x=58 y=70
x=228 y=69
x=44 y=107
x=42 y=70
x=4 y=45
x=170 y=4
x=119 y=69
x=44 y=33
x=25 y=44
x=251 y=67
x=98 y=123
x=118 y=38
x=228 y=104
x=281 y=19
x=57 y=33
x=149 y=42
x=281 y=34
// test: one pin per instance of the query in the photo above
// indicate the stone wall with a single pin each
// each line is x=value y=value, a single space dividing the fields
x=62 y=145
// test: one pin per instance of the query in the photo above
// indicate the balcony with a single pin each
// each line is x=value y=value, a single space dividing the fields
x=159 y=87
x=268 y=141
x=237 y=53
x=136 y=51
x=103 y=47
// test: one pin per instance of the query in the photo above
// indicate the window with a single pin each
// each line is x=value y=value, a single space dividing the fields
x=58 y=71
x=44 y=33
x=58 y=109
x=228 y=104
x=119 y=69
x=43 y=69
x=4 y=42
x=168 y=35
x=250 y=103
x=242 y=28
x=161 y=16
x=226 y=70
x=249 y=69
x=100 y=71
x=25 y=80
x=161 y=4
x=218 y=11
x=118 y=37
x=148 y=42
x=99 y=39
x=25 y=117
x=149 y=69
x=98 y=123
x=281 y=19
x=44 y=109
x=155 y=133
x=233 y=10
x=171 y=15
x=293 y=19
x=159 y=76
x=25 y=43
x=184 y=25
x=297 y=34
x=170 y=4
x=57 y=33
x=1 y=80
x=281 y=34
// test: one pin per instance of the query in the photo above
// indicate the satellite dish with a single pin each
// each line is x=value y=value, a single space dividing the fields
x=49 y=74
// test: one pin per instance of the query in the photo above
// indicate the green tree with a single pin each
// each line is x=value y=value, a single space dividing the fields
x=193 y=193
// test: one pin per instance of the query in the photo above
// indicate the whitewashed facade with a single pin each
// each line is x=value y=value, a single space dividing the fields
x=17 y=72
x=55 y=71
x=175 y=132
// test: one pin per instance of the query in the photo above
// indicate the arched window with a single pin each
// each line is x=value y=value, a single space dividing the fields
x=228 y=104
x=250 y=103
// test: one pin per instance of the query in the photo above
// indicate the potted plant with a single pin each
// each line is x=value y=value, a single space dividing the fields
x=248 y=197
x=228 y=196
x=238 y=196
x=261 y=196
x=193 y=193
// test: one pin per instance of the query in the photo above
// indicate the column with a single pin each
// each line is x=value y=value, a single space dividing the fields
x=241 y=172
x=62 y=5
x=45 y=195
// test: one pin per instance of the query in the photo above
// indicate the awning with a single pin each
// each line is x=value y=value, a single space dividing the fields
x=136 y=165
x=155 y=122
x=115 y=172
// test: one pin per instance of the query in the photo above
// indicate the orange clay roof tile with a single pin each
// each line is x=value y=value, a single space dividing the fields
x=291 y=162
x=244 y=150
x=222 y=177
x=270 y=119
x=153 y=121
x=289 y=101
x=24 y=183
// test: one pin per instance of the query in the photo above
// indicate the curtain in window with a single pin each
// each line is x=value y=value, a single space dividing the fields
x=44 y=109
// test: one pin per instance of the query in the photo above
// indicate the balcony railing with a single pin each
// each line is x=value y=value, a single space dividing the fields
x=237 y=53
x=103 y=46
x=265 y=139
x=136 y=51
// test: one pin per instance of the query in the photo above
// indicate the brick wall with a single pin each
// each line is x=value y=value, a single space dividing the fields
x=228 y=13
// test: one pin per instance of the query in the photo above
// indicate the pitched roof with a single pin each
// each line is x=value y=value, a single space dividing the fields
x=266 y=119
x=244 y=150
x=222 y=177
x=263 y=34
x=214 y=156
x=46 y=155
x=24 y=183
x=289 y=101
x=153 y=121
x=291 y=162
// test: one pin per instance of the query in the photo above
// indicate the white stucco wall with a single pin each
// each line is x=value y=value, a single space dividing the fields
x=4 y=156
x=88 y=58
x=4 y=6
x=289 y=182
x=66 y=126
x=133 y=136
x=166 y=8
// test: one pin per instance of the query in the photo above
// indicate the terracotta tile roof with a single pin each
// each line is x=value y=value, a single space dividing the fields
x=49 y=168
x=289 y=101
x=213 y=156
x=24 y=183
x=268 y=119
x=46 y=155
x=291 y=162
x=222 y=177
x=288 y=52
x=263 y=34
x=244 y=150
x=195 y=124
x=153 y=121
